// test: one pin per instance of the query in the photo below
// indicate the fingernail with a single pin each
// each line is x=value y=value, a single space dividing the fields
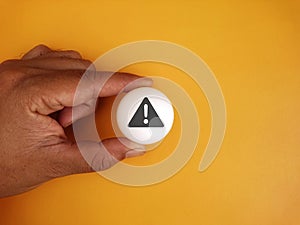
x=141 y=82
x=134 y=153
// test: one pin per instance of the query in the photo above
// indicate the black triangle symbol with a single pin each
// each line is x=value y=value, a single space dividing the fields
x=151 y=120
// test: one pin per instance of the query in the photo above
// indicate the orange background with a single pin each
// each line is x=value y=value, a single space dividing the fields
x=253 y=48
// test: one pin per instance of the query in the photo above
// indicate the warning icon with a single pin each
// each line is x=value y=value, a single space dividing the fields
x=145 y=116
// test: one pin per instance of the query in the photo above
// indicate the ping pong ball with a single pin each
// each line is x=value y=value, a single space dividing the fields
x=145 y=115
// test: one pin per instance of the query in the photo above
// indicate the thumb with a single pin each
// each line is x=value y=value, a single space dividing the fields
x=88 y=156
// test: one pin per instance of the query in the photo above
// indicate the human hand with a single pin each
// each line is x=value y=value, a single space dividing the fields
x=33 y=145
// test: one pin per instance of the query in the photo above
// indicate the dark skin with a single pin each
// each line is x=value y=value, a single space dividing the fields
x=33 y=145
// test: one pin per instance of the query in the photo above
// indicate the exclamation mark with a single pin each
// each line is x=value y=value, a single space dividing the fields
x=146 y=114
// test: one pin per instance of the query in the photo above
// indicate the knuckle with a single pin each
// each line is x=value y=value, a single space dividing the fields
x=103 y=159
x=32 y=94
x=10 y=61
x=103 y=163
x=36 y=51
x=75 y=54
x=41 y=47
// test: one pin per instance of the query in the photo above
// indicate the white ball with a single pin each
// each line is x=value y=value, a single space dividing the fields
x=145 y=115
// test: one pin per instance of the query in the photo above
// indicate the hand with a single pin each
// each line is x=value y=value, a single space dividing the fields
x=33 y=145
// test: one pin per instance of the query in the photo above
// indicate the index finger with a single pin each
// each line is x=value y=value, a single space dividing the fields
x=51 y=93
